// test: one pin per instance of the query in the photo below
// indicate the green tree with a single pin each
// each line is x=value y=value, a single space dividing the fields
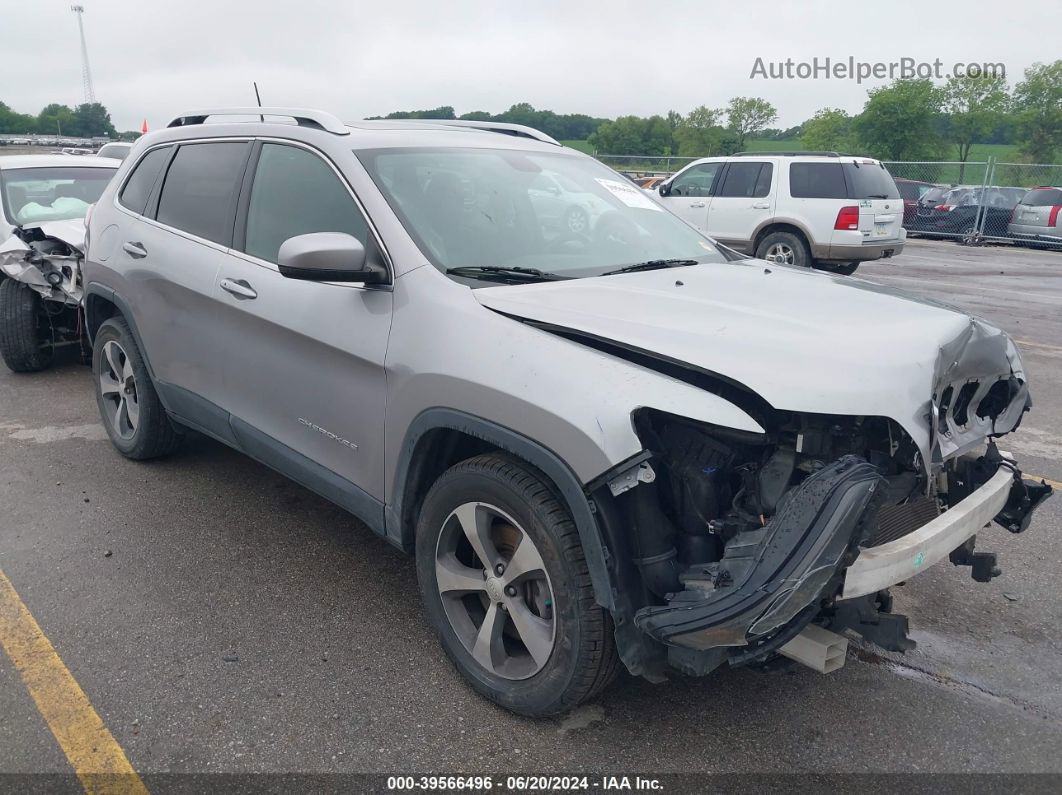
x=898 y=121
x=92 y=119
x=13 y=122
x=476 y=115
x=829 y=130
x=57 y=119
x=748 y=115
x=699 y=133
x=974 y=106
x=632 y=135
x=1038 y=111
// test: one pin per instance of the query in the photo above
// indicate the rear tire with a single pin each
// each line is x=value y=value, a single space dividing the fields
x=784 y=248
x=512 y=506
x=26 y=339
x=130 y=408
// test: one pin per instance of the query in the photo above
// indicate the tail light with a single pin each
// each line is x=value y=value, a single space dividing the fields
x=947 y=208
x=1053 y=218
x=847 y=218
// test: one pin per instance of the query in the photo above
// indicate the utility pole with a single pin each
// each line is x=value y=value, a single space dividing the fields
x=86 y=72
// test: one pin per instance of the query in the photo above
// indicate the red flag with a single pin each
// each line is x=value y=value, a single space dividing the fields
x=143 y=127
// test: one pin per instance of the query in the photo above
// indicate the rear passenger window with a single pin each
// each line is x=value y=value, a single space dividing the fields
x=747 y=180
x=296 y=193
x=138 y=187
x=817 y=181
x=200 y=190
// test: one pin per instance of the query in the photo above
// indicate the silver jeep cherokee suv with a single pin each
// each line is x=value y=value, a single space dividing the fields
x=615 y=444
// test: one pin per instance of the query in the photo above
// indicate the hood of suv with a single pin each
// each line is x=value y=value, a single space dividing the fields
x=802 y=340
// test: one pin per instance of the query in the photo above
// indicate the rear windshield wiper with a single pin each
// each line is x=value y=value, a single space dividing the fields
x=514 y=273
x=653 y=265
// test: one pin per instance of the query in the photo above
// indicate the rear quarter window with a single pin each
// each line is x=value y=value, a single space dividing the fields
x=138 y=187
x=817 y=181
x=200 y=189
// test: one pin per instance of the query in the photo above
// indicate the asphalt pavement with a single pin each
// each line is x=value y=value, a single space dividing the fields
x=220 y=618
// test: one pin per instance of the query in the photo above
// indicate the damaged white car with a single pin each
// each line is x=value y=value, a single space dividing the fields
x=43 y=202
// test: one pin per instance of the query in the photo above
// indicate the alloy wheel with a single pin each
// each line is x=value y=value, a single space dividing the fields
x=495 y=591
x=781 y=253
x=118 y=388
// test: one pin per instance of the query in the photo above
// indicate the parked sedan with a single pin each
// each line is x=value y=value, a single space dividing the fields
x=962 y=209
x=1036 y=217
x=911 y=190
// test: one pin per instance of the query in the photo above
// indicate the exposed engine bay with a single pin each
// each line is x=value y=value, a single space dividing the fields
x=742 y=540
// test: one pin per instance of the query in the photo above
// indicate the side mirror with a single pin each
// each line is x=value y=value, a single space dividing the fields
x=664 y=189
x=327 y=257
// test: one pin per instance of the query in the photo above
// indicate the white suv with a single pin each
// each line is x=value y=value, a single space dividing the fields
x=818 y=209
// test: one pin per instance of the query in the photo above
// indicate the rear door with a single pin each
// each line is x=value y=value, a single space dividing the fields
x=170 y=252
x=687 y=193
x=302 y=361
x=742 y=201
x=872 y=188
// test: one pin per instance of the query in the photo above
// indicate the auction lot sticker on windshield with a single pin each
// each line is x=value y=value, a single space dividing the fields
x=630 y=195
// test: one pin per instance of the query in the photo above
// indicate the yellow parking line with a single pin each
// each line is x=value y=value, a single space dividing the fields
x=95 y=755
x=1044 y=346
x=1052 y=483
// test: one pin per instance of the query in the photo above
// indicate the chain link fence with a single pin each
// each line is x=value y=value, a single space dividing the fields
x=972 y=202
x=645 y=165
x=975 y=202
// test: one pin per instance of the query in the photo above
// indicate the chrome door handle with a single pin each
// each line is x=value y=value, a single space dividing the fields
x=239 y=288
x=134 y=250
x=698 y=204
x=761 y=206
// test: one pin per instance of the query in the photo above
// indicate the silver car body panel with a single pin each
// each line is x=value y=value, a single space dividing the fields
x=802 y=340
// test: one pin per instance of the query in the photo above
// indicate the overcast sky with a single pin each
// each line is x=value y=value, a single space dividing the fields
x=152 y=59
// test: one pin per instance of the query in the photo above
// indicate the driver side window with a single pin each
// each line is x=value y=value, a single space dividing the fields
x=696 y=181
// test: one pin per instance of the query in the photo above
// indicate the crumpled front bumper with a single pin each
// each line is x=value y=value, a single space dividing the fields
x=882 y=566
x=771 y=583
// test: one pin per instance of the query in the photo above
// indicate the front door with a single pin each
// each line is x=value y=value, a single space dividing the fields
x=688 y=193
x=302 y=362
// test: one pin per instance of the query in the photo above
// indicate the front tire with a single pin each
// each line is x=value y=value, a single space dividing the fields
x=26 y=337
x=784 y=248
x=129 y=406
x=506 y=587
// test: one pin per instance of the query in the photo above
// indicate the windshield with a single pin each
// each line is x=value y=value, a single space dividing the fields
x=36 y=195
x=561 y=214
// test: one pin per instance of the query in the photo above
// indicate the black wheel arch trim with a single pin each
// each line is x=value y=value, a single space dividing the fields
x=545 y=460
x=99 y=290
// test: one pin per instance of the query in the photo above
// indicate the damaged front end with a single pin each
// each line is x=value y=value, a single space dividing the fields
x=47 y=260
x=47 y=257
x=744 y=544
